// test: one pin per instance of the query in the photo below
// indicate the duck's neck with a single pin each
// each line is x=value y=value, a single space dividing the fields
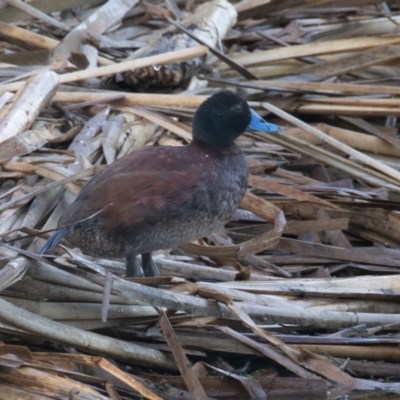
x=196 y=142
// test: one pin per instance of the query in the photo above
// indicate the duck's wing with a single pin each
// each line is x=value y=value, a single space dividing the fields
x=142 y=187
x=145 y=186
x=129 y=199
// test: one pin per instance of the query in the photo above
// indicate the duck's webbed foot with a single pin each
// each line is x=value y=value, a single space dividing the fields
x=149 y=267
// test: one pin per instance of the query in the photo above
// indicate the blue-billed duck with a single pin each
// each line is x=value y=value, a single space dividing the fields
x=161 y=197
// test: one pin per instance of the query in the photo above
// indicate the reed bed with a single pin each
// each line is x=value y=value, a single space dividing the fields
x=298 y=295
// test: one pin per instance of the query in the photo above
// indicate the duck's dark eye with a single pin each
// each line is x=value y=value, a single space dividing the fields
x=237 y=107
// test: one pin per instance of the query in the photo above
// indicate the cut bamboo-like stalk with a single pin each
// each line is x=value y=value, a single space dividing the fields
x=133 y=99
x=35 y=40
x=378 y=353
x=35 y=13
x=319 y=154
x=37 y=93
x=365 y=111
x=79 y=338
x=332 y=141
x=354 y=101
x=315 y=48
x=173 y=56
x=324 y=87
x=98 y=22
x=29 y=38
x=356 y=140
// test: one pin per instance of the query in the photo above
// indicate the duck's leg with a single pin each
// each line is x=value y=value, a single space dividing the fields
x=133 y=269
x=149 y=267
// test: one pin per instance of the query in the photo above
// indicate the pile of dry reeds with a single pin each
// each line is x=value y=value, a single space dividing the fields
x=298 y=295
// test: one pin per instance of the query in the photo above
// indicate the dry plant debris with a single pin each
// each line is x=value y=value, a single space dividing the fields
x=297 y=296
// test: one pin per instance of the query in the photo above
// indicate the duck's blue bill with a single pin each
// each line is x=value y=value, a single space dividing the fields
x=259 y=124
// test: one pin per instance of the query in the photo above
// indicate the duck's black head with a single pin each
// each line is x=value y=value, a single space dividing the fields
x=223 y=117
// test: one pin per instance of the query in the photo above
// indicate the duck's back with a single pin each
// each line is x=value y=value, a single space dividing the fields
x=157 y=198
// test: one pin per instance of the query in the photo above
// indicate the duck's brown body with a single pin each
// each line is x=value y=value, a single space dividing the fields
x=162 y=197
x=157 y=198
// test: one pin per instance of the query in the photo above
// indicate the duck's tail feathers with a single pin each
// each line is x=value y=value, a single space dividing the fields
x=53 y=240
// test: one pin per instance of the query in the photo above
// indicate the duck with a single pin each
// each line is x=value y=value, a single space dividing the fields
x=161 y=197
